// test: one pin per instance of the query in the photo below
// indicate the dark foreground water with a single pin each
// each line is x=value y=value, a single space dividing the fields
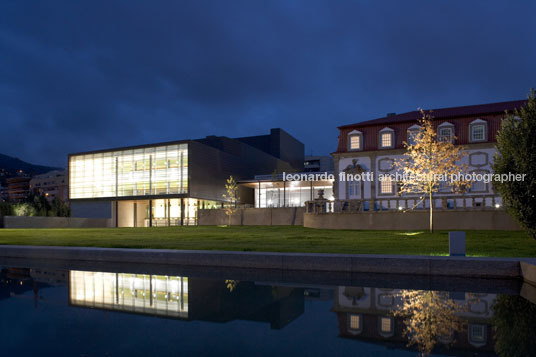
x=84 y=309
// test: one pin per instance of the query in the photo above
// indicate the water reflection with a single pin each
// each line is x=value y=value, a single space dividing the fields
x=139 y=293
x=424 y=319
x=421 y=320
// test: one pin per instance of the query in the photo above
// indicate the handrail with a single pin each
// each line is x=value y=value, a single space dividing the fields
x=448 y=202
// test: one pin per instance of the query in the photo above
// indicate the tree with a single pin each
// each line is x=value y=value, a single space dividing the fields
x=231 y=196
x=516 y=154
x=429 y=317
x=430 y=164
x=514 y=326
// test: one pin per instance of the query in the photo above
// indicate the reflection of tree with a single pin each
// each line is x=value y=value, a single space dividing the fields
x=428 y=316
x=231 y=284
x=514 y=324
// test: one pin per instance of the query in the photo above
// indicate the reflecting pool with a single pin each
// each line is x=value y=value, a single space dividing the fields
x=85 y=309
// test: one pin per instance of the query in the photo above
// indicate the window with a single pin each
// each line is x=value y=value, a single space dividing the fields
x=479 y=185
x=445 y=132
x=353 y=189
x=386 y=324
x=477 y=334
x=355 y=140
x=354 y=323
x=386 y=186
x=386 y=138
x=478 y=130
x=412 y=133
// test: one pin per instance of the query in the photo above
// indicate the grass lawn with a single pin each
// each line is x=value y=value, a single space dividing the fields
x=278 y=239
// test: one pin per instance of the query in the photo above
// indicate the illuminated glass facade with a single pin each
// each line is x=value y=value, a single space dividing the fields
x=293 y=194
x=142 y=293
x=157 y=170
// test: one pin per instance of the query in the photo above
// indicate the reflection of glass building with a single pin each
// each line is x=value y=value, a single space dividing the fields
x=164 y=184
x=186 y=298
x=139 y=293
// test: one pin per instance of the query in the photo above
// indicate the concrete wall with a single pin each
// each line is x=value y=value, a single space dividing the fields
x=253 y=217
x=92 y=209
x=55 y=222
x=414 y=220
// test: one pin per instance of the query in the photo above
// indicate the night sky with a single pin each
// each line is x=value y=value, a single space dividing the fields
x=85 y=75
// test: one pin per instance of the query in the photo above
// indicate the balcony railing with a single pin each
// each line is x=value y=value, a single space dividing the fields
x=459 y=202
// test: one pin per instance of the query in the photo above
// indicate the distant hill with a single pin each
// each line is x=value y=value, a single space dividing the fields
x=9 y=166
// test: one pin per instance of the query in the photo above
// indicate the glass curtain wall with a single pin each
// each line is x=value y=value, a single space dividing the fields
x=138 y=172
x=167 y=212
x=275 y=195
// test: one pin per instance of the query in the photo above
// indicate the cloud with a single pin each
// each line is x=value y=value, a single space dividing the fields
x=82 y=76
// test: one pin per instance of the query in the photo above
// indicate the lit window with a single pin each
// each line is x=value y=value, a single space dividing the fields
x=386 y=140
x=354 y=322
x=355 y=142
x=386 y=325
x=386 y=185
x=445 y=134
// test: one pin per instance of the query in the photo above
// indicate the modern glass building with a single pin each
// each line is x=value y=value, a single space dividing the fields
x=271 y=191
x=165 y=184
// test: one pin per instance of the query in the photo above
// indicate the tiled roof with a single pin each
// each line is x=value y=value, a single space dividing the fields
x=468 y=110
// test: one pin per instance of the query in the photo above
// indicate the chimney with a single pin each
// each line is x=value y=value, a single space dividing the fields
x=391 y=114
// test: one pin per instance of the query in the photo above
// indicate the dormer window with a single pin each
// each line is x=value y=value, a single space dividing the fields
x=478 y=130
x=445 y=132
x=355 y=140
x=387 y=138
x=413 y=131
x=355 y=323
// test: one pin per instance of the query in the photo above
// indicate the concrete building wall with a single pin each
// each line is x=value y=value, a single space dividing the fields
x=414 y=220
x=253 y=217
x=55 y=222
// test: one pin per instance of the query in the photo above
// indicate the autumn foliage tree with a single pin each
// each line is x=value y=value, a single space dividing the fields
x=429 y=164
x=428 y=317
x=231 y=196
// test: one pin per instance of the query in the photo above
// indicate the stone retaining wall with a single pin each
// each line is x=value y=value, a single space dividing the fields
x=307 y=262
x=288 y=216
x=414 y=220
x=55 y=222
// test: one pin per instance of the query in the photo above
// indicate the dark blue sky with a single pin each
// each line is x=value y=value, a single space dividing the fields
x=84 y=75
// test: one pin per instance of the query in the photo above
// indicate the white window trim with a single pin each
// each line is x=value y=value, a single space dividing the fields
x=446 y=125
x=384 y=131
x=357 y=133
x=473 y=124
